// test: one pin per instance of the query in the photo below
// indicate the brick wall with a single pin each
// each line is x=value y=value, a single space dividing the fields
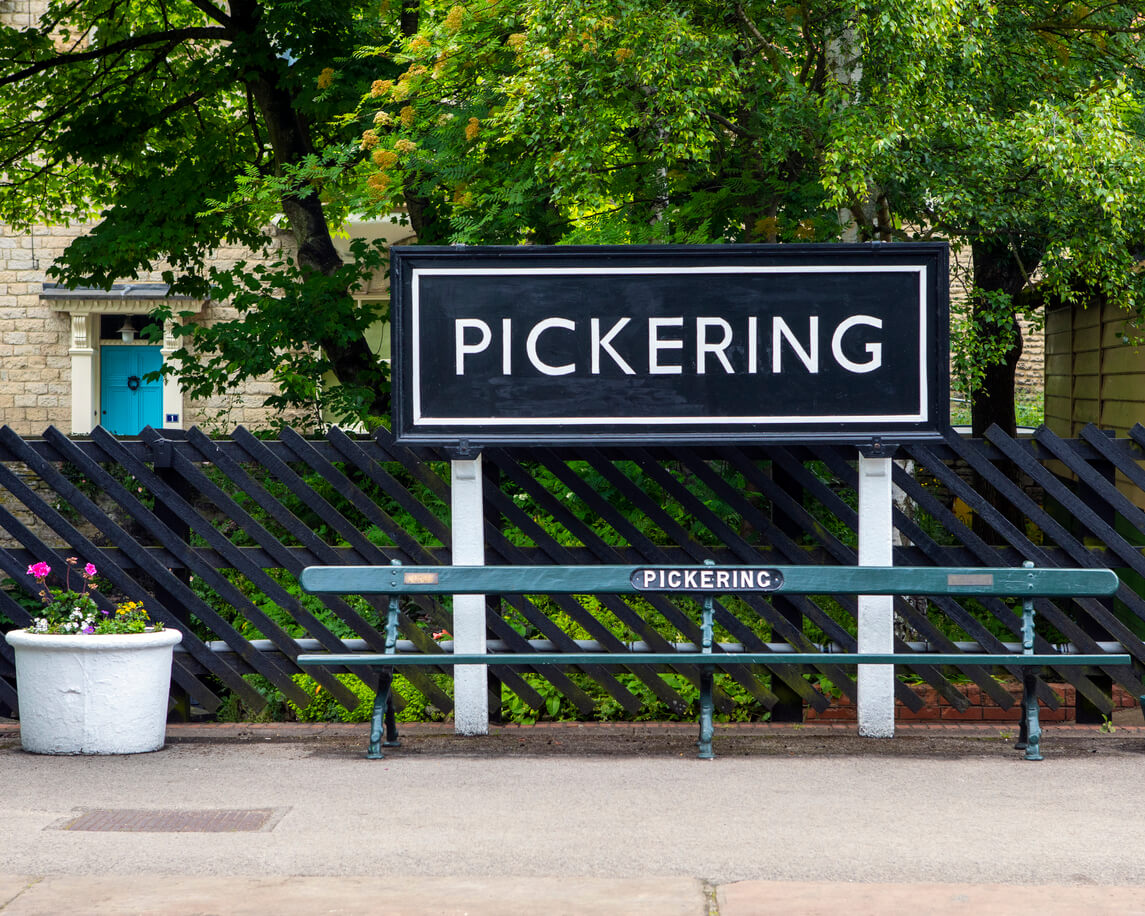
x=981 y=709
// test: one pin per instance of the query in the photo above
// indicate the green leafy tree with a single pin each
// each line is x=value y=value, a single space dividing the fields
x=1010 y=127
x=1016 y=132
x=184 y=126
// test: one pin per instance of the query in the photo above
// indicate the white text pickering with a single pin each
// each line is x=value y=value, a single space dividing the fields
x=659 y=347
x=707 y=579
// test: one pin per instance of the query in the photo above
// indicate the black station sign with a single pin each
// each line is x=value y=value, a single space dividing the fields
x=626 y=344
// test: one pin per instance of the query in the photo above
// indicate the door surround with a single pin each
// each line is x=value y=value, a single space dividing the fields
x=84 y=306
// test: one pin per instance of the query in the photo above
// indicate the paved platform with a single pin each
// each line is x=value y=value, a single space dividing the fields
x=601 y=819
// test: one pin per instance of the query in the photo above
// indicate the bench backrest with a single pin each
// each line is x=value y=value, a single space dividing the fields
x=705 y=579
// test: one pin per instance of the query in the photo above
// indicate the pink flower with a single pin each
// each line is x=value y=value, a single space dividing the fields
x=39 y=570
x=440 y=633
x=89 y=570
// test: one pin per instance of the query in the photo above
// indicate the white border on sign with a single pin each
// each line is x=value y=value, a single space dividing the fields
x=415 y=349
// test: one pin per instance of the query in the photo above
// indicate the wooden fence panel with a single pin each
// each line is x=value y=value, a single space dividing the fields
x=211 y=534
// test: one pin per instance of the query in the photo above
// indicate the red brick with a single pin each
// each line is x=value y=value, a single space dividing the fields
x=970 y=714
x=1123 y=698
x=831 y=713
x=997 y=714
x=925 y=714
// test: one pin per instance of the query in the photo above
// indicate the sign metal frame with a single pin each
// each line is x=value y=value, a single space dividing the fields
x=499 y=276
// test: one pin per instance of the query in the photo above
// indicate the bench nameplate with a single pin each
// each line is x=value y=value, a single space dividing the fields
x=704 y=579
x=420 y=578
x=974 y=580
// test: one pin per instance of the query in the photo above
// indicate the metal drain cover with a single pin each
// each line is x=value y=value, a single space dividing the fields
x=158 y=820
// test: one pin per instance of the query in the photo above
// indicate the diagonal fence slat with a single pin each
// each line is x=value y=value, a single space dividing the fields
x=650 y=552
x=1077 y=551
x=842 y=466
x=744 y=552
x=515 y=472
x=985 y=553
x=243 y=565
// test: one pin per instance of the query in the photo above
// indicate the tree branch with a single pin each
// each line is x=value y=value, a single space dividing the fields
x=733 y=127
x=173 y=37
x=213 y=12
x=770 y=51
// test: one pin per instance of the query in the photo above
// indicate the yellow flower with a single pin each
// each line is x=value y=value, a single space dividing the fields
x=378 y=185
x=462 y=196
x=516 y=41
x=453 y=20
x=472 y=129
x=369 y=139
x=766 y=228
x=384 y=158
x=419 y=44
x=407 y=115
x=326 y=78
x=405 y=146
x=383 y=119
x=380 y=87
x=622 y=54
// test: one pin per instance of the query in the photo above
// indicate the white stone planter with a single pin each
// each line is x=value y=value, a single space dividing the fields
x=93 y=694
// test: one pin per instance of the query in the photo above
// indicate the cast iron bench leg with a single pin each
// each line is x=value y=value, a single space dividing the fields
x=392 y=739
x=1032 y=727
x=1030 y=731
x=705 y=742
x=383 y=713
x=706 y=678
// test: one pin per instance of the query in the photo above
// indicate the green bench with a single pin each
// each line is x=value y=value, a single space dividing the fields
x=705 y=582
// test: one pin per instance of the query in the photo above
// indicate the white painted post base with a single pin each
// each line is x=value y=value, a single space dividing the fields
x=876 y=692
x=470 y=688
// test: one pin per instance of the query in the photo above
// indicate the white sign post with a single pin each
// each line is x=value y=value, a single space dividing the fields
x=876 y=683
x=470 y=690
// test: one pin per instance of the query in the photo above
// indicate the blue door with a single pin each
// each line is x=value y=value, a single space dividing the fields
x=127 y=402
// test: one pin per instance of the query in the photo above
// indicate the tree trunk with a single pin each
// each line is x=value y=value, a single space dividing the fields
x=997 y=269
x=289 y=135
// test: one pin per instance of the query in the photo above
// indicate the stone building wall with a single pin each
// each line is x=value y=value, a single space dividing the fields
x=35 y=389
x=1031 y=368
x=36 y=335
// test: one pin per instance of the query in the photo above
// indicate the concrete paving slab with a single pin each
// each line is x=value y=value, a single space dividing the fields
x=11 y=886
x=179 y=895
x=764 y=898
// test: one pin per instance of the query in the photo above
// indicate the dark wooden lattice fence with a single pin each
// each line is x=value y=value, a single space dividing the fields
x=210 y=534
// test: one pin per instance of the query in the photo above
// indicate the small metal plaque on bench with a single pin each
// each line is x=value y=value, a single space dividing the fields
x=706 y=579
x=973 y=580
x=421 y=578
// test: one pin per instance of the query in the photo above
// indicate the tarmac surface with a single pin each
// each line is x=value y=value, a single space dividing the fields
x=579 y=819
